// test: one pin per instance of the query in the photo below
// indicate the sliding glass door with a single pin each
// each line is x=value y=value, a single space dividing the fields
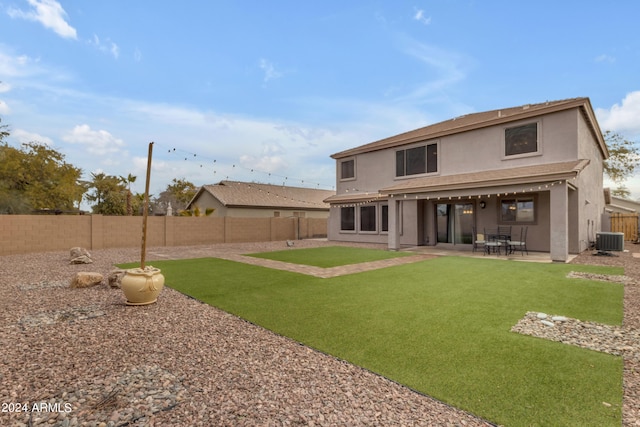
x=454 y=223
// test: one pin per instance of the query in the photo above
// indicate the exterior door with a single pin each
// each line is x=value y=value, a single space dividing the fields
x=454 y=223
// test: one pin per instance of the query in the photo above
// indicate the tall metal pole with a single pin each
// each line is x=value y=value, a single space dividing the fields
x=145 y=209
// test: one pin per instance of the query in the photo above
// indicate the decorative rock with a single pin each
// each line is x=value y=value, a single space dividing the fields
x=559 y=319
x=115 y=278
x=78 y=252
x=542 y=316
x=85 y=279
x=82 y=259
x=547 y=323
x=80 y=255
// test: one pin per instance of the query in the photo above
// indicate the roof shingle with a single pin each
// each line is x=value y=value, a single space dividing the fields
x=479 y=120
x=251 y=194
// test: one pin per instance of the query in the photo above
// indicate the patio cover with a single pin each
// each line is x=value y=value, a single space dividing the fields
x=491 y=178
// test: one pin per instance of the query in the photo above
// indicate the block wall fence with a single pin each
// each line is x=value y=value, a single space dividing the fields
x=43 y=233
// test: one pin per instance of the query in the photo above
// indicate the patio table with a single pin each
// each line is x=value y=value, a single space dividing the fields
x=496 y=240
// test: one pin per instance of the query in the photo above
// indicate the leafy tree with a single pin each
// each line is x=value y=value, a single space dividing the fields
x=130 y=179
x=3 y=131
x=108 y=194
x=179 y=193
x=36 y=177
x=621 y=191
x=624 y=157
x=196 y=212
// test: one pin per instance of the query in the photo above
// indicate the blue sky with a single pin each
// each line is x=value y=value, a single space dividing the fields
x=267 y=91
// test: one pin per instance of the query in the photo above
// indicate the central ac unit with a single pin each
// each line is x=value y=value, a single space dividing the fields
x=610 y=241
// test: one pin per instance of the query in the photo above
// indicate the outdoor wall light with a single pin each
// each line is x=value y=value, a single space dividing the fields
x=483 y=205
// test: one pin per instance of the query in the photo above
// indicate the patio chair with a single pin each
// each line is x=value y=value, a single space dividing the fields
x=478 y=240
x=519 y=244
x=492 y=242
x=504 y=231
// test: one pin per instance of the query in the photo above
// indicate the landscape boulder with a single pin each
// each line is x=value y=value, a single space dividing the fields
x=115 y=278
x=85 y=279
x=80 y=256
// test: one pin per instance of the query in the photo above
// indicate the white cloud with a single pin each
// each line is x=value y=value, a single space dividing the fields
x=106 y=46
x=622 y=118
x=16 y=66
x=97 y=142
x=605 y=58
x=270 y=72
x=50 y=14
x=4 y=108
x=446 y=67
x=25 y=137
x=421 y=17
x=270 y=160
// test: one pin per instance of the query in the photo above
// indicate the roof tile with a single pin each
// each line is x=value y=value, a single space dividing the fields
x=251 y=194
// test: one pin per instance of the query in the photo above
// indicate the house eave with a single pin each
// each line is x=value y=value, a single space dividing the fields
x=582 y=103
x=519 y=176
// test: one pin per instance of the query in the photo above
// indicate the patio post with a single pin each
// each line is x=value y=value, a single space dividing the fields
x=394 y=229
x=559 y=222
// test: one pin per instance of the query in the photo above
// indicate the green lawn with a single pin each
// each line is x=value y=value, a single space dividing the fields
x=441 y=327
x=332 y=256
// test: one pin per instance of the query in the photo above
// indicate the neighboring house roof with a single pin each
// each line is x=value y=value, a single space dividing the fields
x=475 y=121
x=255 y=195
x=622 y=204
x=491 y=178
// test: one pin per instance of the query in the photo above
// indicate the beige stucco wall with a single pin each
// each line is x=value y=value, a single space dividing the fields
x=474 y=151
x=206 y=200
x=590 y=201
x=272 y=212
x=564 y=136
x=628 y=206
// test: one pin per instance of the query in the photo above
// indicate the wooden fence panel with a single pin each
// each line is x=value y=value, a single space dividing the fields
x=625 y=223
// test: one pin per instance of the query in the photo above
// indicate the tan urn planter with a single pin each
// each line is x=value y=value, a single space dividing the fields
x=142 y=286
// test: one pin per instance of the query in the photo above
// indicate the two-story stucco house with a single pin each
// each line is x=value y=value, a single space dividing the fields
x=537 y=166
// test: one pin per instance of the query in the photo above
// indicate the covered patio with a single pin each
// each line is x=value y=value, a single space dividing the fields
x=542 y=198
x=465 y=251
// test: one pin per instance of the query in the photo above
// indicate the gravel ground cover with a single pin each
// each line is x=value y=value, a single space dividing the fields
x=631 y=322
x=81 y=357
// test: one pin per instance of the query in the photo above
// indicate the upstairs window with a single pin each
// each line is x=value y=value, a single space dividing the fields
x=521 y=140
x=418 y=160
x=348 y=169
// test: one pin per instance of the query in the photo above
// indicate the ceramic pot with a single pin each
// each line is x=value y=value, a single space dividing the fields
x=141 y=287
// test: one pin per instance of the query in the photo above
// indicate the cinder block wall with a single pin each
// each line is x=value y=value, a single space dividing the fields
x=43 y=233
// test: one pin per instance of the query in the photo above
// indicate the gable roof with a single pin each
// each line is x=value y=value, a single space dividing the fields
x=255 y=195
x=484 y=119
